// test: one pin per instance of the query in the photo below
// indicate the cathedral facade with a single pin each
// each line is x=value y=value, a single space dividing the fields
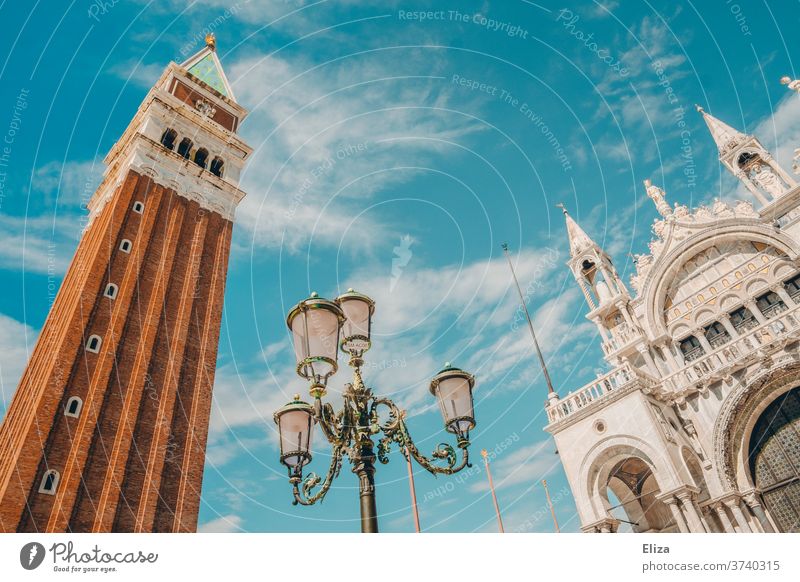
x=107 y=429
x=696 y=427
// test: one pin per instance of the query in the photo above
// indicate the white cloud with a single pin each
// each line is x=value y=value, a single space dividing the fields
x=223 y=524
x=328 y=137
x=39 y=244
x=71 y=183
x=16 y=341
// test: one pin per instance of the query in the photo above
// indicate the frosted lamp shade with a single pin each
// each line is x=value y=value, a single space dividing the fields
x=358 y=310
x=296 y=427
x=453 y=390
x=315 y=333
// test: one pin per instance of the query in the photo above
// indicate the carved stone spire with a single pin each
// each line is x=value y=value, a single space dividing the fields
x=578 y=239
x=724 y=135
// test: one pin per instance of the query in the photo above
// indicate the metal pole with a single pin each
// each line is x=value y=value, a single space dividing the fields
x=413 y=491
x=485 y=456
x=550 y=504
x=530 y=323
x=365 y=469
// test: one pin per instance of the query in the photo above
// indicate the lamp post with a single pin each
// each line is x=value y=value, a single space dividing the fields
x=316 y=325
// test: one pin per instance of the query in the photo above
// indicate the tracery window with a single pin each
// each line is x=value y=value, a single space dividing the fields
x=775 y=459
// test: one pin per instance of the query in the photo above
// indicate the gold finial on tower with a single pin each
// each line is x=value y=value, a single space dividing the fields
x=211 y=41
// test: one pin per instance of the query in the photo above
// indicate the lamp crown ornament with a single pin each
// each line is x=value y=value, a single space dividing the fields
x=320 y=327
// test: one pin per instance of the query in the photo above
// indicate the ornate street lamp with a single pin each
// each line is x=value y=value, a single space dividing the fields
x=316 y=325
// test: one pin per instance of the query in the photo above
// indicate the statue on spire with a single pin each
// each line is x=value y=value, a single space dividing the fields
x=792 y=84
x=211 y=41
x=658 y=196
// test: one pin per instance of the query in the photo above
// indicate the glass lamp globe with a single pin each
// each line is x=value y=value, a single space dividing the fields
x=452 y=388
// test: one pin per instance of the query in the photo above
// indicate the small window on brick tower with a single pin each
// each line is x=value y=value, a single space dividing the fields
x=93 y=344
x=168 y=138
x=73 y=407
x=111 y=290
x=201 y=157
x=185 y=148
x=49 y=482
x=138 y=207
x=216 y=166
x=125 y=245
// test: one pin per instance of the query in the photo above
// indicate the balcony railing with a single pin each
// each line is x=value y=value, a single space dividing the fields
x=717 y=363
x=725 y=358
x=621 y=336
x=597 y=390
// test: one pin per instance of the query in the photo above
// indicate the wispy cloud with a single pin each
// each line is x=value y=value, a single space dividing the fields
x=16 y=341
x=225 y=524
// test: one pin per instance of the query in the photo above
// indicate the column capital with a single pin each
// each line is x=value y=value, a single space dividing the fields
x=608 y=523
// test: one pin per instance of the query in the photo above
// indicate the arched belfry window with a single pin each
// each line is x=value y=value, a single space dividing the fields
x=216 y=166
x=49 y=482
x=201 y=157
x=589 y=270
x=73 y=407
x=746 y=160
x=775 y=459
x=168 y=138
x=185 y=148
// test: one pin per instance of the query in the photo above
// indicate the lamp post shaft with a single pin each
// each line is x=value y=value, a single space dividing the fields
x=366 y=490
x=364 y=462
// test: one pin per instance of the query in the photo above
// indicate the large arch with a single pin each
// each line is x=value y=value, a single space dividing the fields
x=605 y=461
x=774 y=459
x=739 y=414
x=667 y=266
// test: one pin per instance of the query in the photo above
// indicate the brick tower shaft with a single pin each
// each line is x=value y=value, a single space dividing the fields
x=108 y=427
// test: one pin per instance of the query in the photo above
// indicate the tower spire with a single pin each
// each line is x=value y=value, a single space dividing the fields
x=748 y=160
x=578 y=239
x=724 y=135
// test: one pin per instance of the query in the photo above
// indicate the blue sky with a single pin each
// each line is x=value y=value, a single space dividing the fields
x=415 y=135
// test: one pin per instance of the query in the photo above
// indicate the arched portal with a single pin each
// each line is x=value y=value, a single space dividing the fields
x=632 y=484
x=774 y=459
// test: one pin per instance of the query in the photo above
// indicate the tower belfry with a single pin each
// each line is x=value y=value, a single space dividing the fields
x=107 y=429
x=748 y=160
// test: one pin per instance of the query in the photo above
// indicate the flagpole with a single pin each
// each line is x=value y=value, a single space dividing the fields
x=550 y=504
x=413 y=490
x=530 y=323
x=485 y=456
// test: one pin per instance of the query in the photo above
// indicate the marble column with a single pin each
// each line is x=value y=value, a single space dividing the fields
x=700 y=334
x=754 y=505
x=733 y=505
x=723 y=518
x=751 y=305
x=690 y=509
x=651 y=363
x=725 y=320
x=672 y=503
x=673 y=363
x=780 y=290
x=706 y=522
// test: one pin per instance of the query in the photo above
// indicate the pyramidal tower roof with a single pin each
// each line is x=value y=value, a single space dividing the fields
x=578 y=239
x=724 y=135
x=206 y=66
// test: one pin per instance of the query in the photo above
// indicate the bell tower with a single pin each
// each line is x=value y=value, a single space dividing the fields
x=749 y=161
x=107 y=429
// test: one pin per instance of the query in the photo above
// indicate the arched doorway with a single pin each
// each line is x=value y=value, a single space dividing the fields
x=775 y=459
x=632 y=484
